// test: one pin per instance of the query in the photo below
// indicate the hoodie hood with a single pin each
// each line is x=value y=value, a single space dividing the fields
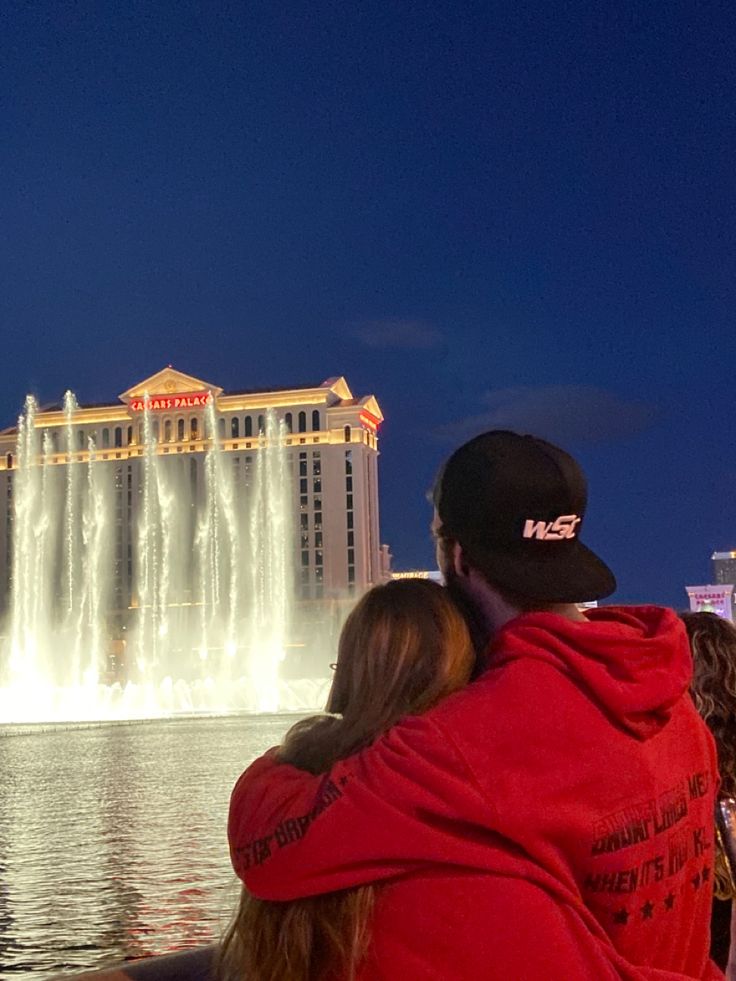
x=635 y=662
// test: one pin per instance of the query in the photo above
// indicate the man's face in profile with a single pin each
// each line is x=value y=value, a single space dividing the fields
x=444 y=556
x=440 y=546
x=457 y=587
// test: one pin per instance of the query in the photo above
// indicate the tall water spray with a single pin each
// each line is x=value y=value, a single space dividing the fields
x=268 y=565
x=209 y=567
x=27 y=606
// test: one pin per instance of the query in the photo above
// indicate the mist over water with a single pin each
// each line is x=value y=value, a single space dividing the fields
x=210 y=561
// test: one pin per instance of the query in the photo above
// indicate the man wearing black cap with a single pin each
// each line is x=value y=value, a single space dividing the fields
x=554 y=819
x=513 y=506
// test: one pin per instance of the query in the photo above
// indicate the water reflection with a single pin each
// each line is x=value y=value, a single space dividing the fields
x=112 y=838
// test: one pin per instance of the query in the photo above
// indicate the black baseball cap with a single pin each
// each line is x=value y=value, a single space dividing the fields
x=516 y=505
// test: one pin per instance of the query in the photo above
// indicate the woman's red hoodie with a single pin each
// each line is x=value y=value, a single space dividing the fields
x=575 y=769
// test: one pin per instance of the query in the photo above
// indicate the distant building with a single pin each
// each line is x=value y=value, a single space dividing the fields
x=331 y=442
x=712 y=599
x=724 y=568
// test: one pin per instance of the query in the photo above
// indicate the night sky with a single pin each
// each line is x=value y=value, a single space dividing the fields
x=512 y=215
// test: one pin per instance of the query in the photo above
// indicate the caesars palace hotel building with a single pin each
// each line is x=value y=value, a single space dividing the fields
x=331 y=443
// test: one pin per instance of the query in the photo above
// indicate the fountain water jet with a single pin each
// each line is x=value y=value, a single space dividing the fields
x=208 y=566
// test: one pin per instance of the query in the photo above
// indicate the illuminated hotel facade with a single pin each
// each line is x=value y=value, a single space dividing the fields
x=331 y=443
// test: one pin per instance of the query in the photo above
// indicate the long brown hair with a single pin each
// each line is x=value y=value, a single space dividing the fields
x=713 y=688
x=404 y=646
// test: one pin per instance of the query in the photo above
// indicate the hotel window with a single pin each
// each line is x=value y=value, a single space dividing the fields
x=167 y=431
x=235 y=427
x=155 y=430
x=80 y=439
x=140 y=433
x=302 y=485
x=221 y=428
x=302 y=464
x=316 y=464
x=105 y=439
x=289 y=422
x=317 y=521
x=261 y=425
x=130 y=435
x=305 y=558
x=180 y=430
x=302 y=422
x=118 y=437
x=318 y=540
x=9 y=461
x=248 y=428
x=194 y=428
x=315 y=420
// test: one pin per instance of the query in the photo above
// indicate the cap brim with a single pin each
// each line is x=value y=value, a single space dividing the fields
x=576 y=575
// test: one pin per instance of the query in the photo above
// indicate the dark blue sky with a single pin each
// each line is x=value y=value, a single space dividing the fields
x=485 y=214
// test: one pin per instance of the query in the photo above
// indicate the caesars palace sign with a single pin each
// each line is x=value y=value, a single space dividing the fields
x=169 y=403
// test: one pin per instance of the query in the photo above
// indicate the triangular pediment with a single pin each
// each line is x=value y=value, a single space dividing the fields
x=339 y=387
x=168 y=381
x=371 y=405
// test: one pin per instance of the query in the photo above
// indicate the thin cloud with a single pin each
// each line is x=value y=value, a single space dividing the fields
x=400 y=334
x=561 y=413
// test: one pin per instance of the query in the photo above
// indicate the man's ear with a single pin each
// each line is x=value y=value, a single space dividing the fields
x=459 y=563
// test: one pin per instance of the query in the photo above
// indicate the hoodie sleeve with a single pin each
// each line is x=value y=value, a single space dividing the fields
x=407 y=801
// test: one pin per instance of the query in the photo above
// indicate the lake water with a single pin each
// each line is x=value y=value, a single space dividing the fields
x=113 y=838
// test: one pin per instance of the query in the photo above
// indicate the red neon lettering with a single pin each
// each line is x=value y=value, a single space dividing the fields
x=162 y=403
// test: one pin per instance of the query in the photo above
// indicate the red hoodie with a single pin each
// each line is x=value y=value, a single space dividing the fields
x=574 y=769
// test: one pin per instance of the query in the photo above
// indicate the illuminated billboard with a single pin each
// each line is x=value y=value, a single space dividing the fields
x=711 y=599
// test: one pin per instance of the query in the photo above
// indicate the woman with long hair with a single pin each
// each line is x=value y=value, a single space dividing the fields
x=713 y=643
x=403 y=648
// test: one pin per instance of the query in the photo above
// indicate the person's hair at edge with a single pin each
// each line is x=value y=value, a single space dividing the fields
x=713 y=688
x=404 y=647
